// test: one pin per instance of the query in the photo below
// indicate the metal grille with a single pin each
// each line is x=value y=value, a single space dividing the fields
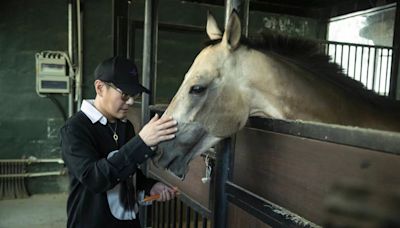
x=176 y=214
x=12 y=180
x=371 y=65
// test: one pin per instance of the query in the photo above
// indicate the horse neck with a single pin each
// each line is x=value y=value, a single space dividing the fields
x=268 y=79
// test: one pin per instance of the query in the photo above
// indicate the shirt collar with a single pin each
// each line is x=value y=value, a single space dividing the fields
x=93 y=114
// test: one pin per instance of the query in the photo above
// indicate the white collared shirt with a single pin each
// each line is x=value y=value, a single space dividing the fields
x=92 y=113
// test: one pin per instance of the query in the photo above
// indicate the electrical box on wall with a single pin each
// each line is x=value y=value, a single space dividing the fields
x=52 y=71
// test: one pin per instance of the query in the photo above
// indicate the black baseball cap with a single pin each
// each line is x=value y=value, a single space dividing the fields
x=122 y=73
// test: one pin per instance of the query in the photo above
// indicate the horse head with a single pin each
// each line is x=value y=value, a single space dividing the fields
x=209 y=104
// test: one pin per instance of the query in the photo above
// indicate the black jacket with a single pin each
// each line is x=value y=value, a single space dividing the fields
x=85 y=146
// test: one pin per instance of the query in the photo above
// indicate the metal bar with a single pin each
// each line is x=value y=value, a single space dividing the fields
x=159 y=215
x=380 y=70
x=153 y=215
x=175 y=212
x=169 y=214
x=34 y=160
x=188 y=210
x=388 y=70
x=79 y=77
x=41 y=174
x=149 y=55
x=265 y=210
x=374 y=71
x=149 y=68
x=341 y=55
x=355 y=61
x=196 y=219
x=71 y=57
x=383 y=142
x=369 y=55
x=180 y=214
x=352 y=44
x=395 y=66
x=204 y=222
x=334 y=53
x=163 y=215
x=386 y=92
x=224 y=150
x=348 y=61
x=361 y=64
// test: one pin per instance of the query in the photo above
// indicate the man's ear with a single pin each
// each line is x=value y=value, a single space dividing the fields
x=99 y=87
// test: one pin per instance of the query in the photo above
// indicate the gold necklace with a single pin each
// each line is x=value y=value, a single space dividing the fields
x=115 y=136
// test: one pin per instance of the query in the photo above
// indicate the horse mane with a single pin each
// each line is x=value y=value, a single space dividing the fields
x=309 y=55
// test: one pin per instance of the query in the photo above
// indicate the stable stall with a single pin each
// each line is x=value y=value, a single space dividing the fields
x=277 y=173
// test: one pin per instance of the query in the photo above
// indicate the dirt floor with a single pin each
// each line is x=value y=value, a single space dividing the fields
x=37 y=211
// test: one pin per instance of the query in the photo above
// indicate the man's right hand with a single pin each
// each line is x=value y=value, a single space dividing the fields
x=158 y=130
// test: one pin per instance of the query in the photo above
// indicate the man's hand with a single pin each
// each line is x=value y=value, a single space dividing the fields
x=166 y=193
x=158 y=130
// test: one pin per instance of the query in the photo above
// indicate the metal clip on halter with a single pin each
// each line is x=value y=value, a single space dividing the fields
x=207 y=177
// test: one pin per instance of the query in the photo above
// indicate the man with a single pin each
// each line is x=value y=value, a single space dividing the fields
x=102 y=153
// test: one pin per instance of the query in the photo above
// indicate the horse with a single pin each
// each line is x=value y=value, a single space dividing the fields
x=274 y=76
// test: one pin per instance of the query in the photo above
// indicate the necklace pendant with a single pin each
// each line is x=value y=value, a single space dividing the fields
x=115 y=136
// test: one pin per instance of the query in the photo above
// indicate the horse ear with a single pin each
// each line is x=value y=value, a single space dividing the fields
x=233 y=31
x=212 y=29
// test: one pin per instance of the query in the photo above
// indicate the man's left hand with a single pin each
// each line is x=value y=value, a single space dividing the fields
x=166 y=193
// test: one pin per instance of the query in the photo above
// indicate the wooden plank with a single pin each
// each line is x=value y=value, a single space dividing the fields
x=297 y=173
x=239 y=218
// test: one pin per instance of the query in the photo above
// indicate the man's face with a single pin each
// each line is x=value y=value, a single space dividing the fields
x=115 y=103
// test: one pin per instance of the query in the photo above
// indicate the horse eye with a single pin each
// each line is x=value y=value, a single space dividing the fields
x=197 y=89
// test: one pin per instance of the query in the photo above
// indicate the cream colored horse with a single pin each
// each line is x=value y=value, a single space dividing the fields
x=231 y=80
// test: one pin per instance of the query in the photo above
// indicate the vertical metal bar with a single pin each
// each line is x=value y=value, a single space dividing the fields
x=380 y=70
x=374 y=71
x=334 y=58
x=196 y=219
x=188 y=217
x=341 y=56
x=153 y=215
x=327 y=49
x=169 y=214
x=387 y=78
x=242 y=7
x=149 y=55
x=204 y=222
x=361 y=64
x=395 y=66
x=369 y=55
x=79 y=76
x=348 y=61
x=71 y=93
x=149 y=68
x=175 y=213
x=222 y=163
x=355 y=62
x=163 y=215
x=158 y=214
x=181 y=214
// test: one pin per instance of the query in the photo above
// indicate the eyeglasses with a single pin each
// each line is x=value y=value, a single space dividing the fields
x=124 y=96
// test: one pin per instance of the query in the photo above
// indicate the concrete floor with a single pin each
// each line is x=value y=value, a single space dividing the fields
x=37 y=211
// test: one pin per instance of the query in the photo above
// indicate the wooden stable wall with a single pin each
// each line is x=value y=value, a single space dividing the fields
x=281 y=173
x=297 y=173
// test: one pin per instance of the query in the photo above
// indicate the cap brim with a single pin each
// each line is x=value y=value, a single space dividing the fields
x=133 y=89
